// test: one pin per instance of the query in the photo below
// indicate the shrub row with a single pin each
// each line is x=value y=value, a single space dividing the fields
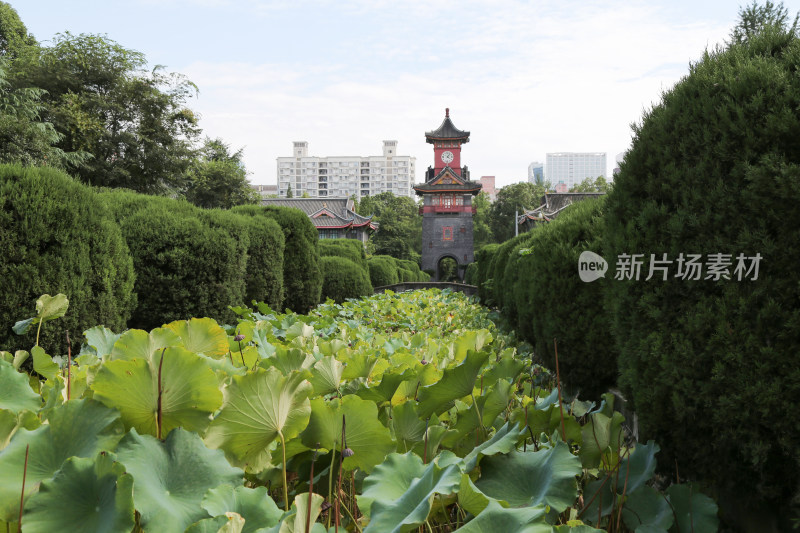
x=709 y=363
x=387 y=270
x=344 y=270
x=129 y=260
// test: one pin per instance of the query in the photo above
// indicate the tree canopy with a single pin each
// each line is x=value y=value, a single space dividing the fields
x=218 y=178
x=400 y=233
x=754 y=18
x=510 y=199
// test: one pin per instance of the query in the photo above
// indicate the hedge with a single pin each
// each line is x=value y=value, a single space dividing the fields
x=348 y=248
x=57 y=238
x=264 y=278
x=471 y=274
x=551 y=301
x=184 y=267
x=382 y=270
x=343 y=279
x=485 y=258
x=711 y=365
x=302 y=279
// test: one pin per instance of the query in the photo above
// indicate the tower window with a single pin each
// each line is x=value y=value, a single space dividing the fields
x=447 y=233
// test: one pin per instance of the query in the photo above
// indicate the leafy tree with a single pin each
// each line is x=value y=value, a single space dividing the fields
x=481 y=231
x=511 y=198
x=99 y=98
x=218 y=178
x=24 y=137
x=289 y=193
x=400 y=232
x=14 y=37
x=754 y=18
x=588 y=185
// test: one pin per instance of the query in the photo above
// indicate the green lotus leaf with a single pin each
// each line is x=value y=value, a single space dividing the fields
x=190 y=391
x=43 y=363
x=492 y=404
x=258 y=408
x=503 y=441
x=527 y=479
x=602 y=438
x=407 y=427
x=208 y=525
x=398 y=494
x=598 y=500
x=647 y=508
x=138 y=344
x=11 y=422
x=85 y=495
x=289 y=360
x=78 y=428
x=254 y=505
x=358 y=365
x=472 y=499
x=20 y=356
x=201 y=335
x=15 y=391
x=637 y=469
x=365 y=435
x=385 y=390
x=326 y=374
x=296 y=521
x=694 y=511
x=507 y=368
x=51 y=307
x=172 y=477
x=455 y=383
x=497 y=518
x=102 y=340
x=469 y=340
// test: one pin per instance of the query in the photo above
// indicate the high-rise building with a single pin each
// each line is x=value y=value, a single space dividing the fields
x=571 y=168
x=489 y=187
x=536 y=173
x=338 y=176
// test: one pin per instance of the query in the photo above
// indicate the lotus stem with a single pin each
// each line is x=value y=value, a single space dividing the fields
x=285 y=489
x=560 y=401
x=330 y=481
x=159 y=412
x=69 y=365
x=22 y=495
x=310 y=491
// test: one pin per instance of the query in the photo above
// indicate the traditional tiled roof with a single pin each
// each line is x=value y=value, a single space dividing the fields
x=447 y=131
x=448 y=181
x=553 y=204
x=326 y=212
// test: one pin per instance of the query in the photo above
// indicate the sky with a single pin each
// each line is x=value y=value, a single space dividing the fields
x=524 y=77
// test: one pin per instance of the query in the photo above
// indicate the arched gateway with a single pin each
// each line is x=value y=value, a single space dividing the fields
x=447 y=201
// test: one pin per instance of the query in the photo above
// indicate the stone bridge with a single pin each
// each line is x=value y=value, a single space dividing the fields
x=469 y=290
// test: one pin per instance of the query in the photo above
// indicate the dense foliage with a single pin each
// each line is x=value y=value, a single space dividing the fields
x=382 y=270
x=396 y=411
x=264 y=273
x=400 y=232
x=552 y=302
x=56 y=237
x=348 y=248
x=302 y=278
x=343 y=279
x=512 y=200
x=715 y=169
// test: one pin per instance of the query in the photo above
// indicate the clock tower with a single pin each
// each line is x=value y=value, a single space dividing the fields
x=447 y=201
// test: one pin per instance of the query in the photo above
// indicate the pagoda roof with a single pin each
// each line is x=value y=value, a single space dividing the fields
x=553 y=204
x=447 y=131
x=448 y=181
x=327 y=213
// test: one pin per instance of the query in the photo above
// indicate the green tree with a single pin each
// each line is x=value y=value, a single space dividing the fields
x=510 y=199
x=24 y=137
x=14 y=37
x=133 y=122
x=218 y=178
x=400 y=231
x=289 y=193
x=481 y=231
x=589 y=185
x=754 y=18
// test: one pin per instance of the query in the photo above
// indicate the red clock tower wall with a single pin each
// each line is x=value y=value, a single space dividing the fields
x=454 y=147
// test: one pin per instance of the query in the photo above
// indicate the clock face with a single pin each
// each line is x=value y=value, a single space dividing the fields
x=447 y=156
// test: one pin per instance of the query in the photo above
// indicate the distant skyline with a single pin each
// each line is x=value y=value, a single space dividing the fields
x=525 y=78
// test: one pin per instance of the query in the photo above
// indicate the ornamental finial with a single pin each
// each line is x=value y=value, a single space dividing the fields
x=446 y=112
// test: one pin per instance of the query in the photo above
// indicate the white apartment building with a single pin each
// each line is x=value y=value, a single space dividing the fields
x=344 y=176
x=571 y=168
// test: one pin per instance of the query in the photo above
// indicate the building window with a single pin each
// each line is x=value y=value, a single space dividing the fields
x=447 y=233
x=329 y=234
